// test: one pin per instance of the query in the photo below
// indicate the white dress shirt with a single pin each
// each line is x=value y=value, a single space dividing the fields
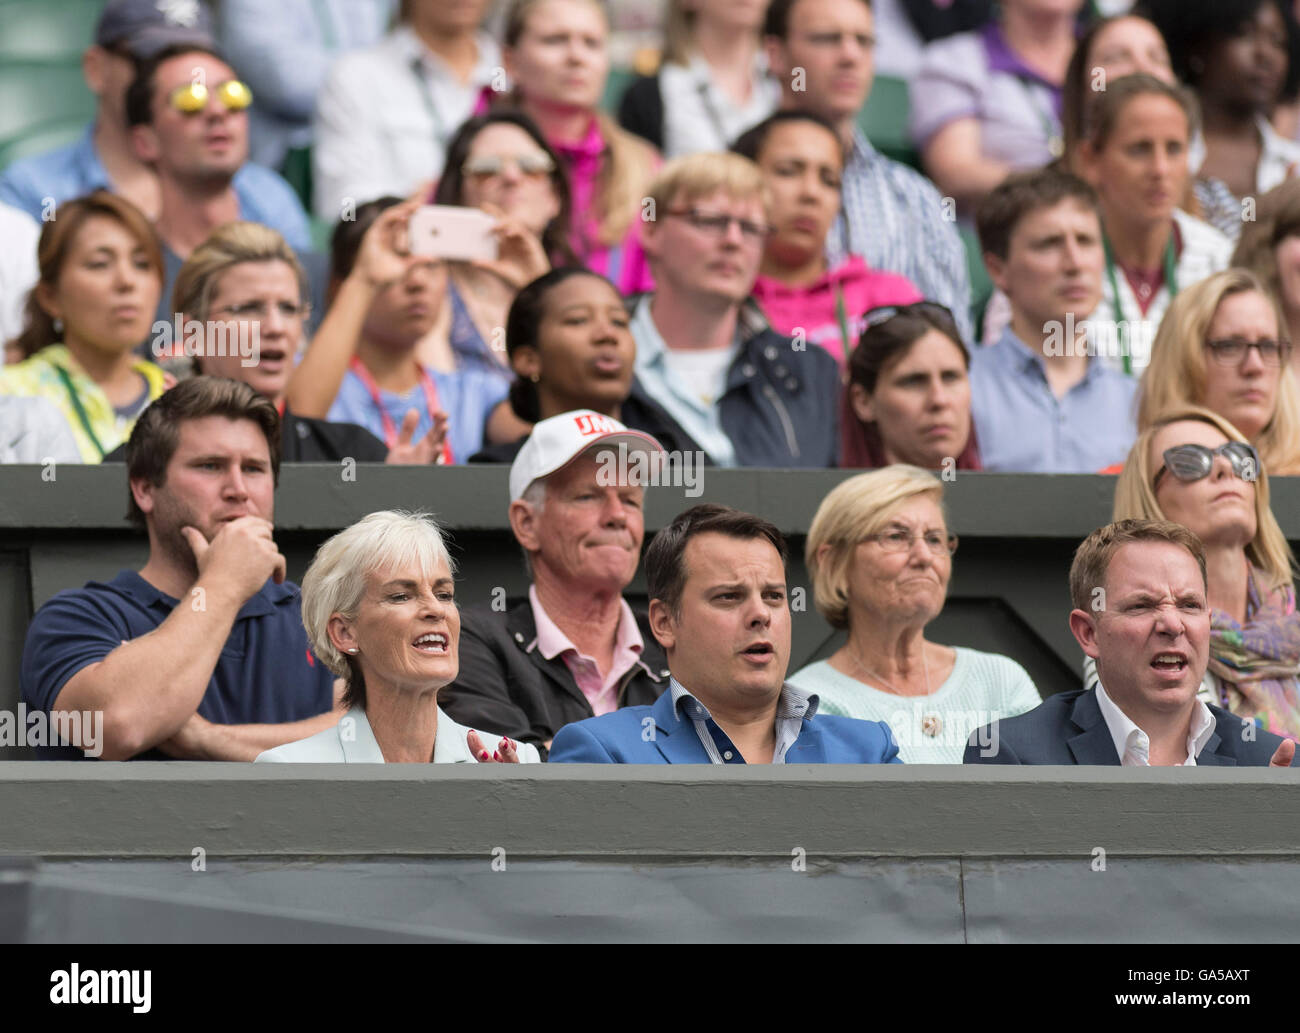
x=352 y=741
x=1134 y=745
x=385 y=115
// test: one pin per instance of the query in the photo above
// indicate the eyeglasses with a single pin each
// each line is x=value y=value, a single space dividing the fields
x=716 y=224
x=1193 y=462
x=884 y=313
x=1232 y=350
x=487 y=165
x=192 y=98
x=259 y=309
x=901 y=541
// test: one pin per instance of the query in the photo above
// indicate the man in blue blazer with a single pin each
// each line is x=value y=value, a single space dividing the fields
x=718 y=606
x=1141 y=611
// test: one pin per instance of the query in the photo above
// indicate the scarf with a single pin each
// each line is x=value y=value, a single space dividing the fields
x=1257 y=663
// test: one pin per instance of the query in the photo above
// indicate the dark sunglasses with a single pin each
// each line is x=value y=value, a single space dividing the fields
x=1192 y=462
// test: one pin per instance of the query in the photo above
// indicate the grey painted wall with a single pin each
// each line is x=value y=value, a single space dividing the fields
x=586 y=853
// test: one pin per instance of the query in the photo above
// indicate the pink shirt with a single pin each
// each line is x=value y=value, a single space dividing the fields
x=812 y=308
x=601 y=691
x=624 y=264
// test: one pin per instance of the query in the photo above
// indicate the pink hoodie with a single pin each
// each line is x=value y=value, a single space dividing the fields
x=812 y=308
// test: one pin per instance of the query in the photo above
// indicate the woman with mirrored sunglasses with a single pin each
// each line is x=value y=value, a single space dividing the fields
x=500 y=162
x=1195 y=468
x=1223 y=345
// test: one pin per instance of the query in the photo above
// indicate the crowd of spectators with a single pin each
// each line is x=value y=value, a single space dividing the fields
x=712 y=261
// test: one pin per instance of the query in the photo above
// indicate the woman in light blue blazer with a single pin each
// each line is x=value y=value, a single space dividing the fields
x=379 y=606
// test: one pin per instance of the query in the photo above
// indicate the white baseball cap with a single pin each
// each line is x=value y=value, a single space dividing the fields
x=557 y=441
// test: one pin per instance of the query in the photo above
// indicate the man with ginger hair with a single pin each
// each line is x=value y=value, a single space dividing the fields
x=1141 y=610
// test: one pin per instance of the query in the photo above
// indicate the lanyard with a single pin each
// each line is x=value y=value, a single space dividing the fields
x=1171 y=282
x=390 y=431
x=426 y=94
x=702 y=86
x=842 y=317
x=81 y=413
x=326 y=24
x=1051 y=128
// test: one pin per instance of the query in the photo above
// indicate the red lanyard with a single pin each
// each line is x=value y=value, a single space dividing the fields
x=430 y=400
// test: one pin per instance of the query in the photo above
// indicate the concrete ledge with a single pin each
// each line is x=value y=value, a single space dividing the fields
x=165 y=810
x=315 y=497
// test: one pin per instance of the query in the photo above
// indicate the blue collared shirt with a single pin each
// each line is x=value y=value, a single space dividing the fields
x=897 y=221
x=1024 y=428
x=791 y=709
x=75 y=170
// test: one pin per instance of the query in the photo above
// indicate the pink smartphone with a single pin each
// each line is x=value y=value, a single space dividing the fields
x=453 y=233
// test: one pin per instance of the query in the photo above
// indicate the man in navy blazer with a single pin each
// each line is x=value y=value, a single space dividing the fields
x=718 y=606
x=1141 y=611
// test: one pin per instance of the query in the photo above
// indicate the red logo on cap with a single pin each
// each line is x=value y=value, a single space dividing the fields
x=589 y=424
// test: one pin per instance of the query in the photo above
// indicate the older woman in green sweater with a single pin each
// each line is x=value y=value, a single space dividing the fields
x=880 y=556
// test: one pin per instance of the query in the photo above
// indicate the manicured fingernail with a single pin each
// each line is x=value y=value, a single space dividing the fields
x=496 y=756
x=484 y=755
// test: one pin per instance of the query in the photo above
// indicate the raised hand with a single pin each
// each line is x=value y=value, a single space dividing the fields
x=429 y=449
x=505 y=753
x=385 y=253
x=1285 y=752
x=520 y=256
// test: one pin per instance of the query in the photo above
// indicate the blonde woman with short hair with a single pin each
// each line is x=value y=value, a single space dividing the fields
x=1195 y=468
x=379 y=606
x=1223 y=345
x=880 y=557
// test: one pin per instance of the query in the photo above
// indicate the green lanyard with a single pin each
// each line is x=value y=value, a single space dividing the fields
x=842 y=316
x=81 y=413
x=1171 y=282
x=1051 y=128
x=326 y=24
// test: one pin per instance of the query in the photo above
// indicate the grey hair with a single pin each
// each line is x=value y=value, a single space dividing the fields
x=335 y=581
x=535 y=496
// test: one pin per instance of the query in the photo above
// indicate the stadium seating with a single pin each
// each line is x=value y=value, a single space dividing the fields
x=37 y=99
x=884 y=119
x=46 y=30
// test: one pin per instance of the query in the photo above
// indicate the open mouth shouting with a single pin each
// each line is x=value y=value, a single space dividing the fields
x=434 y=643
x=1170 y=664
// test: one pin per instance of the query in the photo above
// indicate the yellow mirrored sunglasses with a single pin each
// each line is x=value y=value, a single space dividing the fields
x=192 y=98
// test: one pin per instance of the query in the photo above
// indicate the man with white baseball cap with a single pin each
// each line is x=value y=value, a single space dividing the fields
x=573 y=648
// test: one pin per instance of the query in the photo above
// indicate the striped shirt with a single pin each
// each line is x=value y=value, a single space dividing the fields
x=791 y=709
x=894 y=217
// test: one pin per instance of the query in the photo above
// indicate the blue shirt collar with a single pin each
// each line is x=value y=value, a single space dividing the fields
x=1023 y=359
x=794 y=703
x=263 y=602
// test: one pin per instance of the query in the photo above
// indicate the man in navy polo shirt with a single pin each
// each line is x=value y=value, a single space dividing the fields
x=202 y=654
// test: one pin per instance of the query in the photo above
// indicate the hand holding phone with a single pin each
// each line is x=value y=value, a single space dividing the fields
x=453 y=233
